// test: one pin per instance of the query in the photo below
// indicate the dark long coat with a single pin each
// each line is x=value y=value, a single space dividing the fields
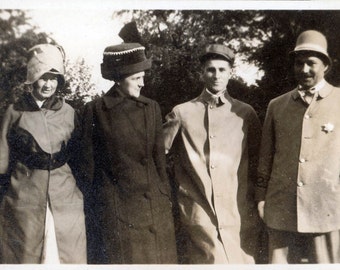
x=125 y=160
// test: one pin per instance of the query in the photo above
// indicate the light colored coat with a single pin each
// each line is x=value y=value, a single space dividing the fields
x=25 y=129
x=300 y=156
x=213 y=147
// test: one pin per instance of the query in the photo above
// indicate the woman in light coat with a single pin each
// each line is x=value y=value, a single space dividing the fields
x=41 y=210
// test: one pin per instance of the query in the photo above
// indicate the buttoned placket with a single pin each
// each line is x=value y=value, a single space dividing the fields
x=307 y=135
x=214 y=111
x=306 y=142
x=211 y=109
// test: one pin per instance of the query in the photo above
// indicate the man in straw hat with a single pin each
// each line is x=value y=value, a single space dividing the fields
x=214 y=139
x=125 y=163
x=298 y=187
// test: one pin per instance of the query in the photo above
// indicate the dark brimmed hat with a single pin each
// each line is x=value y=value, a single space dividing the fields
x=124 y=59
x=312 y=41
x=213 y=51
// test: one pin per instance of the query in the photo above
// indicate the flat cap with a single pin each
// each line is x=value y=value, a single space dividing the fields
x=219 y=50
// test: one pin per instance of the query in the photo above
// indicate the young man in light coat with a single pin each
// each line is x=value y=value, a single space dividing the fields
x=298 y=188
x=215 y=140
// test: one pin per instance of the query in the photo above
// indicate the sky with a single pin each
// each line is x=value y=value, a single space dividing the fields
x=86 y=33
x=85 y=27
x=82 y=33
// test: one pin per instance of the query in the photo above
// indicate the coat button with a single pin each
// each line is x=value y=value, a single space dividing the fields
x=147 y=195
x=152 y=229
x=307 y=116
x=212 y=166
x=302 y=160
x=300 y=183
x=144 y=161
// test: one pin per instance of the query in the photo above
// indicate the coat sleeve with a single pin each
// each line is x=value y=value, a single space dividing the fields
x=75 y=151
x=254 y=139
x=4 y=147
x=158 y=152
x=86 y=144
x=171 y=128
x=266 y=155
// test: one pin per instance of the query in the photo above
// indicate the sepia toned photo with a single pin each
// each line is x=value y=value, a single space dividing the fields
x=178 y=135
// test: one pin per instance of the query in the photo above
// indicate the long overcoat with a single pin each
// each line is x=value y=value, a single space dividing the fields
x=125 y=160
x=215 y=150
x=300 y=160
x=31 y=176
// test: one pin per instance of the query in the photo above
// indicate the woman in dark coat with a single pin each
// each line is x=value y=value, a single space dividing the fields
x=41 y=211
x=124 y=152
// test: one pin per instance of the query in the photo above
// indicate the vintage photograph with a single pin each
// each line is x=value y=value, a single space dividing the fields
x=184 y=134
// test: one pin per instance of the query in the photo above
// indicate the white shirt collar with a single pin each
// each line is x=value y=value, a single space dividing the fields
x=316 y=87
x=219 y=94
x=39 y=102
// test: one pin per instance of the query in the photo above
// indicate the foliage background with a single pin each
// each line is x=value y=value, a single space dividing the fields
x=17 y=35
x=174 y=39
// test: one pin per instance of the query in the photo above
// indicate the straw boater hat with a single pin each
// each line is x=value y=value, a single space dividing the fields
x=312 y=41
x=45 y=58
x=122 y=60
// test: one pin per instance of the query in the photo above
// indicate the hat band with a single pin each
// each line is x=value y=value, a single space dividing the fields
x=125 y=52
x=112 y=73
x=311 y=47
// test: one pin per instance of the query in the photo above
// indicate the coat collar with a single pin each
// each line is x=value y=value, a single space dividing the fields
x=208 y=97
x=27 y=103
x=114 y=97
x=323 y=92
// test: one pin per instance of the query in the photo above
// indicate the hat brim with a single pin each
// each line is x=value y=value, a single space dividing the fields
x=324 y=57
x=61 y=77
x=215 y=55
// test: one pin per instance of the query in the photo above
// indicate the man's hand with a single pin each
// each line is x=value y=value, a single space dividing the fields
x=260 y=209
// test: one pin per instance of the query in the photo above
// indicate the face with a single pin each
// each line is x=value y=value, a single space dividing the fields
x=216 y=74
x=45 y=86
x=309 y=70
x=133 y=84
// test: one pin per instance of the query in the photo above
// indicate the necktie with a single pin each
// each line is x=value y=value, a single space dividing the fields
x=307 y=95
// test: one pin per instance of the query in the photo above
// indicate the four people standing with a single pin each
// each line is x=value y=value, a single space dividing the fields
x=298 y=188
x=215 y=139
